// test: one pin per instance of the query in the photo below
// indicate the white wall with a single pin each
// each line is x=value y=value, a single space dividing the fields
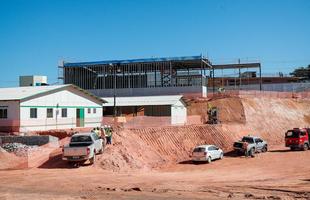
x=178 y=114
x=13 y=109
x=70 y=99
x=11 y=123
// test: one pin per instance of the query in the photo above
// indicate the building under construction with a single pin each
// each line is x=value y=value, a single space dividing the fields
x=146 y=77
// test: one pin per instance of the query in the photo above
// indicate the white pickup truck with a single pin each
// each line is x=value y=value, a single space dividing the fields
x=83 y=147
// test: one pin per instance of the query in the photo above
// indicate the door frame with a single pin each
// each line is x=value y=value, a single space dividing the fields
x=80 y=117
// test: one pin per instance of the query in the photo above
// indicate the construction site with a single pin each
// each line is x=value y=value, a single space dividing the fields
x=155 y=162
x=154 y=100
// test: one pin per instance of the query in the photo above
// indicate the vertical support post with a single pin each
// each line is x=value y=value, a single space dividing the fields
x=260 y=77
x=114 y=91
x=155 y=73
x=170 y=71
x=240 y=78
x=213 y=81
x=187 y=76
x=201 y=78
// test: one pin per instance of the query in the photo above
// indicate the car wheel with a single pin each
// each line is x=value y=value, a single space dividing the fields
x=305 y=148
x=209 y=160
x=292 y=148
x=101 y=150
x=265 y=149
x=252 y=152
x=93 y=159
x=71 y=163
x=221 y=156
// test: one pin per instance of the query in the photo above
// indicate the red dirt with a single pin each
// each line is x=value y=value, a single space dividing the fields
x=60 y=133
x=154 y=148
x=11 y=161
x=272 y=175
x=230 y=109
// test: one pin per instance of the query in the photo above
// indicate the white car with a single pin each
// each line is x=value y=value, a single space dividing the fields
x=207 y=153
x=82 y=147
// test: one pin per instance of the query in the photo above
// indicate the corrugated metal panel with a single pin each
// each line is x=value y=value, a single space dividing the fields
x=18 y=93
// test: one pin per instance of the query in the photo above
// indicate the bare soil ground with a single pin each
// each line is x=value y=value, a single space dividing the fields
x=278 y=174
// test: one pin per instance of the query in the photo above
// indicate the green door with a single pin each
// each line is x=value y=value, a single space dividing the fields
x=80 y=117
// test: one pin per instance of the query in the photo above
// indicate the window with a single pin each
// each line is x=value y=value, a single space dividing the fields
x=3 y=112
x=33 y=113
x=212 y=148
x=95 y=136
x=94 y=110
x=64 y=112
x=199 y=149
x=248 y=140
x=302 y=133
x=81 y=138
x=49 y=112
x=88 y=110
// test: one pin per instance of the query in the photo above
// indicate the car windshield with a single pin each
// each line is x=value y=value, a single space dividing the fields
x=199 y=149
x=247 y=139
x=81 y=138
x=292 y=134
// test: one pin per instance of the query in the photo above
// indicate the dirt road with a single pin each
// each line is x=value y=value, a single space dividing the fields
x=278 y=174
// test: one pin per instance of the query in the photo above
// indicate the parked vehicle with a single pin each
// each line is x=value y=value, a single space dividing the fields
x=207 y=153
x=83 y=147
x=298 y=138
x=249 y=145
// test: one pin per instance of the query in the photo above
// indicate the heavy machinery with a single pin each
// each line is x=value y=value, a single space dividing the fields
x=213 y=114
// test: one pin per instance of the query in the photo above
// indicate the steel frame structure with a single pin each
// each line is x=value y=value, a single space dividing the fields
x=144 y=73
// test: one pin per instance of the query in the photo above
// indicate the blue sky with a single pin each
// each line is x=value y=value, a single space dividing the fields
x=35 y=35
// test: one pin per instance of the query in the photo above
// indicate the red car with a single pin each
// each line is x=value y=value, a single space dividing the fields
x=298 y=138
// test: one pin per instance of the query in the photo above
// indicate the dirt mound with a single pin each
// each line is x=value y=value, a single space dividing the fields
x=61 y=133
x=153 y=148
x=11 y=161
x=150 y=148
x=129 y=152
x=230 y=108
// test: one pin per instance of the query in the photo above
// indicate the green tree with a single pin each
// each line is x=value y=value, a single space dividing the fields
x=302 y=72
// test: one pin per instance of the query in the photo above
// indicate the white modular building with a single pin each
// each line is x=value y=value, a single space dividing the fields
x=171 y=106
x=48 y=107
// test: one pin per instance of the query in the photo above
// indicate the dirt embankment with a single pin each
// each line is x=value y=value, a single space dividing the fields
x=231 y=109
x=11 y=161
x=149 y=148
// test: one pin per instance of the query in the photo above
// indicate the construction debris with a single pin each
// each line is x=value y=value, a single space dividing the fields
x=18 y=148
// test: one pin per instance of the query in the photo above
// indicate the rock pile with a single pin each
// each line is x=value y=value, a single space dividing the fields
x=18 y=148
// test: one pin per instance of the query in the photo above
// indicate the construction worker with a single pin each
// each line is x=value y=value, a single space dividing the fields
x=96 y=130
x=109 y=135
x=102 y=131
